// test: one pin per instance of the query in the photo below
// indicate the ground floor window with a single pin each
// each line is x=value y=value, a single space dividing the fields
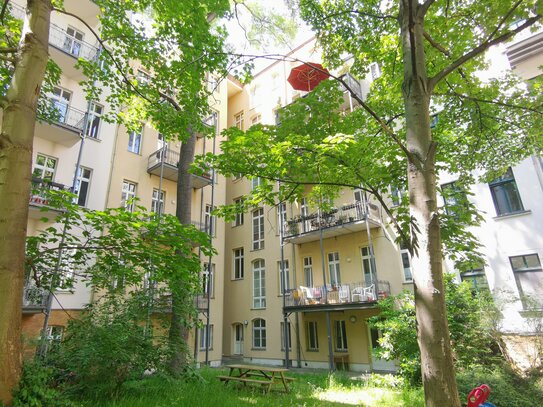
x=341 y=336
x=312 y=336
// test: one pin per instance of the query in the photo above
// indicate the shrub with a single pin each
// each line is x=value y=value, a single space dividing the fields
x=37 y=387
x=105 y=348
x=506 y=388
x=471 y=341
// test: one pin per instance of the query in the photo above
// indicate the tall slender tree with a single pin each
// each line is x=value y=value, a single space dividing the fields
x=178 y=49
x=426 y=57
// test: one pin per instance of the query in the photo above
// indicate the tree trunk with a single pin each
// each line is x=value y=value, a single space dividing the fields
x=16 y=137
x=178 y=336
x=432 y=328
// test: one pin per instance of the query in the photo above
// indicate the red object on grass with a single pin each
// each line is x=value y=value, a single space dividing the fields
x=307 y=76
x=478 y=395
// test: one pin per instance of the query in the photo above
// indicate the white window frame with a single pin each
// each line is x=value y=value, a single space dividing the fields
x=239 y=263
x=259 y=284
x=205 y=276
x=367 y=267
x=135 y=140
x=238 y=219
x=340 y=337
x=304 y=213
x=84 y=176
x=375 y=70
x=282 y=327
x=128 y=193
x=202 y=338
x=157 y=201
x=308 y=271
x=258 y=229
x=281 y=217
x=61 y=99
x=528 y=272
x=280 y=274
x=255 y=182
x=47 y=172
x=312 y=336
x=407 y=265
x=94 y=120
x=259 y=340
x=239 y=120
x=334 y=271
x=73 y=41
x=257 y=118
x=209 y=220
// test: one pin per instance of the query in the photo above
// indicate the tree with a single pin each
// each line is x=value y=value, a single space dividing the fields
x=429 y=54
x=178 y=50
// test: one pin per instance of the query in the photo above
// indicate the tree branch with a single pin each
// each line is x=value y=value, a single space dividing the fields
x=8 y=59
x=504 y=19
x=497 y=103
x=435 y=44
x=479 y=50
x=424 y=7
x=3 y=11
x=8 y=50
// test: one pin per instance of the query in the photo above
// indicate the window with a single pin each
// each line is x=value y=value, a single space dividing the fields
x=258 y=229
x=203 y=337
x=281 y=216
x=259 y=334
x=208 y=280
x=375 y=71
x=134 y=141
x=529 y=278
x=238 y=120
x=476 y=278
x=312 y=336
x=82 y=185
x=209 y=220
x=341 y=336
x=283 y=336
x=93 y=123
x=239 y=263
x=238 y=220
x=505 y=194
x=55 y=334
x=128 y=195
x=73 y=41
x=308 y=271
x=358 y=195
x=61 y=102
x=304 y=212
x=45 y=167
x=366 y=265
x=255 y=182
x=280 y=266
x=454 y=198
x=397 y=195
x=406 y=264
x=142 y=77
x=256 y=119
x=157 y=201
x=259 y=284
x=333 y=268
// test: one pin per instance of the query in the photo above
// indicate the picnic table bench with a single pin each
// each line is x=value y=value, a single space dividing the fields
x=266 y=376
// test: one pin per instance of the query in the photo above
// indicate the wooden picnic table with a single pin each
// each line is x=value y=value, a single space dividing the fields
x=266 y=376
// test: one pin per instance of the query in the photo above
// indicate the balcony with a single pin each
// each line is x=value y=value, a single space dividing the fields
x=165 y=162
x=211 y=123
x=336 y=297
x=38 y=207
x=340 y=221
x=34 y=299
x=201 y=302
x=66 y=48
x=68 y=123
x=163 y=303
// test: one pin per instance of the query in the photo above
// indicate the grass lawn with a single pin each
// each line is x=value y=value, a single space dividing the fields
x=310 y=389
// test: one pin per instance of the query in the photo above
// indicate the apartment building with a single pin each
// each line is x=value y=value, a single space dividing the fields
x=106 y=165
x=335 y=265
x=72 y=152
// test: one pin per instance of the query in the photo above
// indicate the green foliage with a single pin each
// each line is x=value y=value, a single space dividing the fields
x=37 y=387
x=109 y=345
x=471 y=340
x=506 y=388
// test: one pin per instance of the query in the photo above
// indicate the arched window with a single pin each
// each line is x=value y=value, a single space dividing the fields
x=259 y=284
x=259 y=334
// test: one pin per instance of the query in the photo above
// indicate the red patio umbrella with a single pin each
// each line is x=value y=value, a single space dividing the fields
x=307 y=76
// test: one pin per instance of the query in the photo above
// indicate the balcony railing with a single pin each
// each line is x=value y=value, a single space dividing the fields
x=73 y=46
x=201 y=302
x=339 y=294
x=34 y=298
x=170 y=159
x=40 y=187
x=344 y=215
x=165 y=155
x=63 y=115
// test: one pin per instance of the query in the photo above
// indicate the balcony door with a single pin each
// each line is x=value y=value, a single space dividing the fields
x=61 y=102
x=367 y=269
x=238 y=339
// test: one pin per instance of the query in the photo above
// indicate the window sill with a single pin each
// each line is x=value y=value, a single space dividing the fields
x=258 y=349
x=407 y=282
x=512 y=215
x=98 y=140
x=237 y=226
x=236 y=279
x=133 y=152
x=312 y=350
x=258 y=309
x=341 y=351
x=257 y=250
